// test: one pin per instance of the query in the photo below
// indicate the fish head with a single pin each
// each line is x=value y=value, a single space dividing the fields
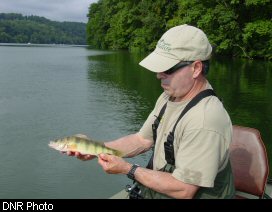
x=60 y=144
x=64 y=144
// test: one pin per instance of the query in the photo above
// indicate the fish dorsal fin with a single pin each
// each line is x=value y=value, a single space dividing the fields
x=82 y=136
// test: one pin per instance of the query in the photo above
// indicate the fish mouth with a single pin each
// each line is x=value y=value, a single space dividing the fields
x=58 y=146
x=54 y=145
x=51 y=144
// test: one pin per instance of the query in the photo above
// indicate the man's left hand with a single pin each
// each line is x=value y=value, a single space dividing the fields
x=113 y=164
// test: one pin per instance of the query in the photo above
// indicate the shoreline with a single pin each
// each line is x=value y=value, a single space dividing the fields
x=42 y=45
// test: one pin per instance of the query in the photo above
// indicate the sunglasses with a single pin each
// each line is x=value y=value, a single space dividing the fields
x=177 y=67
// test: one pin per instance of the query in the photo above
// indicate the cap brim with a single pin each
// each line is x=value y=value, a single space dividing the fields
x=157 y=63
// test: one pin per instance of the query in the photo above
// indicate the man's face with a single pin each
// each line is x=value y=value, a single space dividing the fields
x=179 y=83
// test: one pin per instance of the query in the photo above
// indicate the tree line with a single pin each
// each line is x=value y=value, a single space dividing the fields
x=238 y=28
x=16 y=28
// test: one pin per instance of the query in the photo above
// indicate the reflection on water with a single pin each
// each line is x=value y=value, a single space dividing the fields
x=246 y=89
x=47 y=93
x=121 y=71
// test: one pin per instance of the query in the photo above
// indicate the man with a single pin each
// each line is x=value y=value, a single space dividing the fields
x=196 y=164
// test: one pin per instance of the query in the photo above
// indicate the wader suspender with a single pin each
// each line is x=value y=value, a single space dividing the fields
x=168 y=145
x=155 y=126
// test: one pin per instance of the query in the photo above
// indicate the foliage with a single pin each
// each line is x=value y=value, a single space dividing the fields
x=238 y=28
x=255 y=33
x=15 y=28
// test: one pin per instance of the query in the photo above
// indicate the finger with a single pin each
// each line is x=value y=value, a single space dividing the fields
x=104 y=157
x=88 y=157
x=81 y=158
x=84 y=157
x=77 y=154
x=102 y=162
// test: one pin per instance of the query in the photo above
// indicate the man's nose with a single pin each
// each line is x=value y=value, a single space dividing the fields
x=161 y=75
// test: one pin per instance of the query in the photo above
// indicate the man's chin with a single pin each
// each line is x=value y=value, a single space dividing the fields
x=164 y=86
x=166 y=89
x=167 y=92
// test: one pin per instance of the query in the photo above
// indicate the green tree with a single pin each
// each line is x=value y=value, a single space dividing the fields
x=239 y=28
x=23 y=29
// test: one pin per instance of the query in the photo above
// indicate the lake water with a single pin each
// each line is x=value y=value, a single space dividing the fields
x=51 y=92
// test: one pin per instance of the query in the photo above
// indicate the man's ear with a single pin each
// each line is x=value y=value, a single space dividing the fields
x=198 y=68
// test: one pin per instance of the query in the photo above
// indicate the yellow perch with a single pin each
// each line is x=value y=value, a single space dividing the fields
x=84 y=146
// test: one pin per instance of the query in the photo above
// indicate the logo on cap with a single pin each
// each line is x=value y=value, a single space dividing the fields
x=164 y=46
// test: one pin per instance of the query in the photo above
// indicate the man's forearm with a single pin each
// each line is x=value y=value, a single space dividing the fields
x=130 y=145
x=165 y=183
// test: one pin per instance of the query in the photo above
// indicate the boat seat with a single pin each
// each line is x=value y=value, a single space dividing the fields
x=249 y=162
